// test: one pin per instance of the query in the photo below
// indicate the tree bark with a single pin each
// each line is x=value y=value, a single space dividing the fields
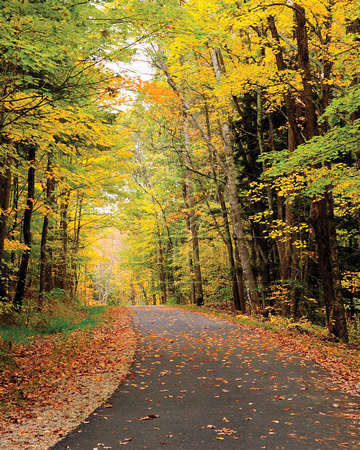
x=192 y=217
x=20 y=290
x=61 y=278
x=240 y=281
x=73 y=279
x=322 y=216
x=239 y=233
x=239 y=301
x=190 y=253
x=162 y=276
x=226 y=236
x=45 y=268
x=322 y=221
x=5 y=189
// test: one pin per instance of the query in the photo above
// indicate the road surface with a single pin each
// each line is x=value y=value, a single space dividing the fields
x=204 y=383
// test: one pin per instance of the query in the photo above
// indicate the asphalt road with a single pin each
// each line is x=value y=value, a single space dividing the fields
x=203 y=383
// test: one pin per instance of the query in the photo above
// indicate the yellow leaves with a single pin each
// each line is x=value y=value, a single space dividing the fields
x=290 y=184
x=13 y=246
x=351 y=281
x=278 y=229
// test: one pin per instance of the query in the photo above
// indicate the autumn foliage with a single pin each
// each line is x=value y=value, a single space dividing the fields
x=32 y=373
x=228 y=177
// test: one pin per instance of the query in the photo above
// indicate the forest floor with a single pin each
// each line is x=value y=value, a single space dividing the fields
x=58 y=381
x=55 y=383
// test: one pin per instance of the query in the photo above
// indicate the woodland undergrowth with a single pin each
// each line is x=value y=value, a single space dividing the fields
x=73 y=341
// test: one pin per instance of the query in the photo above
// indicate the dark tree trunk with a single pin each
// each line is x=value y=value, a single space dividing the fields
x=162 y=276
x=226 y=236
x=45 y=267
x=240 y=281
x=20 y=290
x=322 y=217
x=238 y=305
x=5 y=189
x=190 y=258
x=61 y=266
x=73 y=278
x=322 y=221
x=239 y=233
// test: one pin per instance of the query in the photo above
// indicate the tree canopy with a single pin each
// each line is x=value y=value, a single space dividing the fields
x=228 y=178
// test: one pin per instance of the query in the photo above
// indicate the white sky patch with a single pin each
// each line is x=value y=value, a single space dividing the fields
x=138 y=68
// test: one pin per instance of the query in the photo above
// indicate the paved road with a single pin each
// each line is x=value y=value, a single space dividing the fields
x=203 y=383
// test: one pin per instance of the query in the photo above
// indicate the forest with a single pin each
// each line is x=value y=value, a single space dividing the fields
x=226 y=177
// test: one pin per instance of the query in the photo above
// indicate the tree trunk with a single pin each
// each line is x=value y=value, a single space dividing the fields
x=322 y=221
x=288 y=261
x=322 y=216
x=5 y=189
x=238 y=304
x=45 y=267
x=107 y=287
x=20 y=290
x=240 y=281
x=76 y=245
x=161 y=272
x=62 y=271
x=226 y=236
x=192 y=215
x=239 y=233
x=190 y=258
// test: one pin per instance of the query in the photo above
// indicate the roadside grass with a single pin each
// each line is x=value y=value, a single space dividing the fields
x=24 y=327
x=304 y=337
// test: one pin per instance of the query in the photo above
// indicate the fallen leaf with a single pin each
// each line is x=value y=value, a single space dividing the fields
x=149 y=417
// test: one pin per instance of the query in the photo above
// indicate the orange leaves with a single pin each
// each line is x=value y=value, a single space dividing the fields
x=156 y=93
x=93 y=351
x=119 y=90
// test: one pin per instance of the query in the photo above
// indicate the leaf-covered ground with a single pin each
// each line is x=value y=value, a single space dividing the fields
x=341 y=360
x=56 y=382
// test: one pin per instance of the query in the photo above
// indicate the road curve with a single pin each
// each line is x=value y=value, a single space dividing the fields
x=204 y=383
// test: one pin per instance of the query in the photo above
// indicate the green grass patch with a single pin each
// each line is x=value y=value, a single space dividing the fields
x=30 y=324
